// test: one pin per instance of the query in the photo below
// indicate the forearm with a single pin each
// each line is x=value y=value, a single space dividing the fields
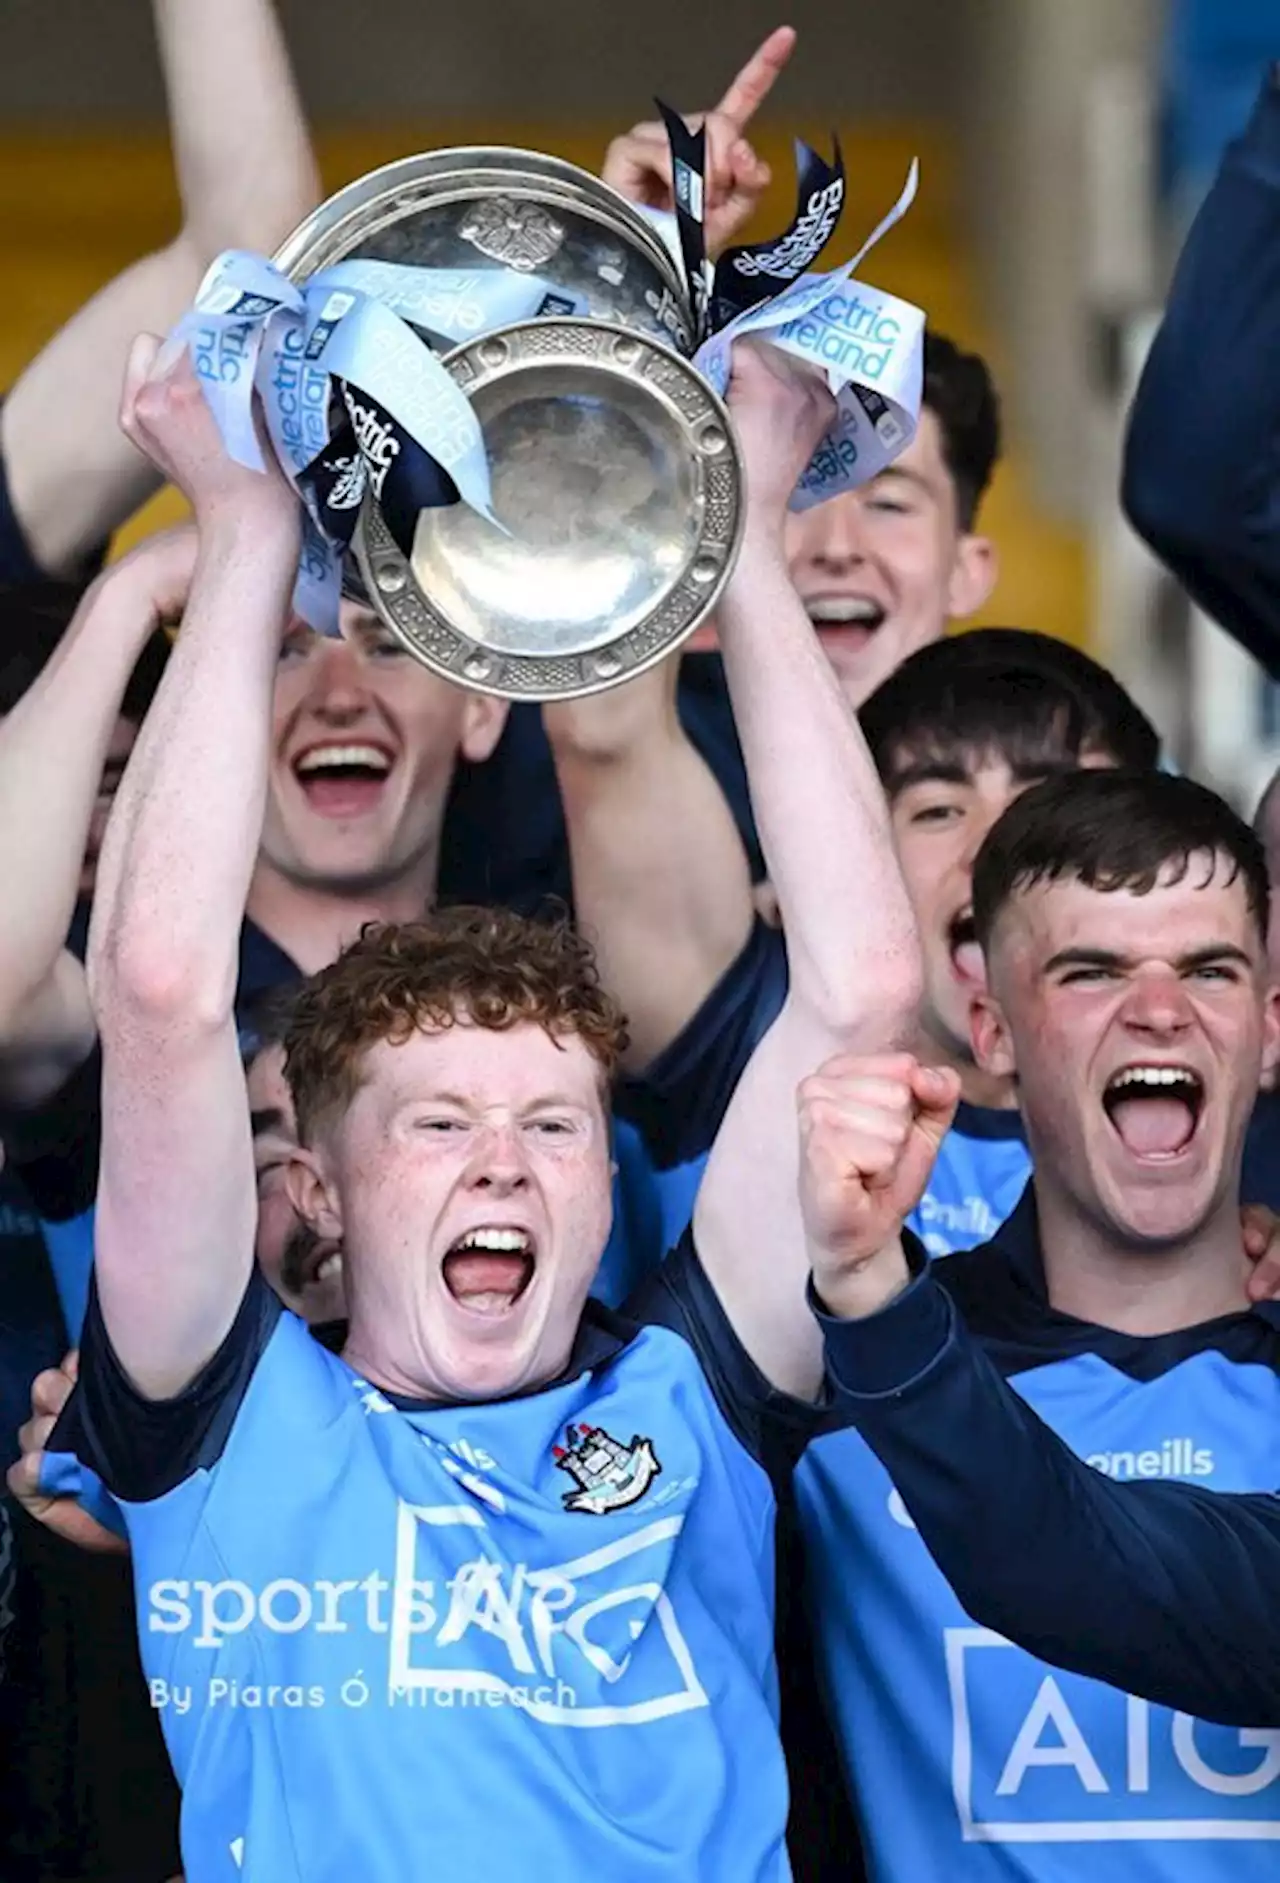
x=180 y=850
x=660 y=877
x=820 y=810
x=53 y=746
x=1199 y=476
x=1163 y=1590
x=246 y=175
x=246 y=169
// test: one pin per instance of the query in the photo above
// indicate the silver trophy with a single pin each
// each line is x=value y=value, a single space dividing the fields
x=614 y=471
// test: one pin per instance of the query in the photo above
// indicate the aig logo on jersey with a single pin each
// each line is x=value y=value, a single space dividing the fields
x=609 y=1475
x=1048 y=1758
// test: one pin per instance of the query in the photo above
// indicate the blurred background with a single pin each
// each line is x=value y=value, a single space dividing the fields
x=1063 y=144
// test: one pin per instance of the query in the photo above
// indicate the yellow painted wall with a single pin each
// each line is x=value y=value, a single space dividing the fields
x=75 y=209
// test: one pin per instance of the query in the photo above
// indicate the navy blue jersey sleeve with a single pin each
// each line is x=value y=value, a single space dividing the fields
x=1162 y=1589
x=774 y=1427
x=142 y=1448
x=17 y=564
x=679 y=1103
x=504 y=839
x=56 y=1147
x=1201 y=475
x=706 y=714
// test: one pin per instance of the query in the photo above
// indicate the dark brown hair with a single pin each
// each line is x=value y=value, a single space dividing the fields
x=487 y=967
x=959 y=392
x=1007 y=693
x=1114 y=830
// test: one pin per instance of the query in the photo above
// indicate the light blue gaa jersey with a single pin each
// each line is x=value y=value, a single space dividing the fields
x=980 y=1171
x=524 y=1639
x=970 y=1760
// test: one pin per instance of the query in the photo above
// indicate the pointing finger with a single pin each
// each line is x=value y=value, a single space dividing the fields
x=757 y=78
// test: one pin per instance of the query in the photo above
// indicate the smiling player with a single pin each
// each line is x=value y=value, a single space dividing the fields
x=1124 y=918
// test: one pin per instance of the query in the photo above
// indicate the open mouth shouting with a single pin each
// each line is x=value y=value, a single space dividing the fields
x=858 y=615
x=1154 y=1109
x=488 y=1270
x=343 y=780
x=967 y=963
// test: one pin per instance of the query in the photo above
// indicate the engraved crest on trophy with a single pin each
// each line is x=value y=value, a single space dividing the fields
x=523 y=235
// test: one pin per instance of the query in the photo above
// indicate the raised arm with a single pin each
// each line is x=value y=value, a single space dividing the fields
x=1200 y=478
x=246 y=175
x=661 y=881
x=176 y=1203
x=53 y=746
x=1163 y=1590
x=824 y=828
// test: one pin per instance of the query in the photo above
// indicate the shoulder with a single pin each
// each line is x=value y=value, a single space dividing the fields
x=680 y=1298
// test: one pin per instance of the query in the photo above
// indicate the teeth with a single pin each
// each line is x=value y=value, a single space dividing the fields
x=1153 y=1076
x=844 y=608
x=329 y=1269
x=325 y=757
x=497 y=1241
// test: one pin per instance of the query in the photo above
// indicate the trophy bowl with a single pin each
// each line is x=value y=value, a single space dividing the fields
x=615 y=475
x=498 y=210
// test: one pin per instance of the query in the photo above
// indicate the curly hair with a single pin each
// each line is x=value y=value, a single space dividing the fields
x=487 y=967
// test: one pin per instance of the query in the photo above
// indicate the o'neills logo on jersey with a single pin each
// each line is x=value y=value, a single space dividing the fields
x=1171 y=1458
x=609 y=1475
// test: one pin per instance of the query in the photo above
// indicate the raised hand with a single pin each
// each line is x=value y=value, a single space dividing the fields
x=781 y=408
x=166 y=415
x=638 y=165
x=869 y=1132
x=61 y=1514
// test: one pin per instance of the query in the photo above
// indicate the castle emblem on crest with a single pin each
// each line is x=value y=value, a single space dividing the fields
x=350 y=477
x=609 y=1476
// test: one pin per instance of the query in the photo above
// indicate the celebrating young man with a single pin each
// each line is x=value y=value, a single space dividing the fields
x=417 y=1582
x=1124 y=919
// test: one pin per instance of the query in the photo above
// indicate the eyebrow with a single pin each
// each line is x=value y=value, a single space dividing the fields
x=270 y=1119
x=547 y=1101
x=952 y=771
x=901 y=475
x=1204 y=957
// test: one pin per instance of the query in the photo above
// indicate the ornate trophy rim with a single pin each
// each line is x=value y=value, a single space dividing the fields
x=397 y=190
x=693 y=409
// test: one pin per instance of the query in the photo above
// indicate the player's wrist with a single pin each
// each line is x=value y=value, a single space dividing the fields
x=852 y=1288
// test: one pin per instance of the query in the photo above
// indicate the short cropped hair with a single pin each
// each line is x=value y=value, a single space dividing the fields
x=958 y=390
x=1114 y=830
x=1008 y=692
x=488 y=967
x=34 y=617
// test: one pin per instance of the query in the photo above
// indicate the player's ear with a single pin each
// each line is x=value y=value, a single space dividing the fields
x=990 y=1037
x=313 y=1196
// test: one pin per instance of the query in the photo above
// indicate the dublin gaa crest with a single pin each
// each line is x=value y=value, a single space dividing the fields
x=609 y=1476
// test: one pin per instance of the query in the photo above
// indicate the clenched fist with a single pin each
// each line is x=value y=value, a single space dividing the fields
x=869 y=1132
